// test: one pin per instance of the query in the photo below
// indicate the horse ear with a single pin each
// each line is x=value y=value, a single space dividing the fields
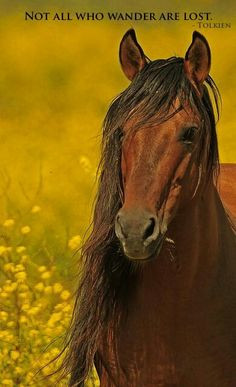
x=197 y=60
x=132 y=58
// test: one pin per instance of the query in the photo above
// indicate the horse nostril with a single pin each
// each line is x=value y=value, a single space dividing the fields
x=150 y=229
x=120 y=231
x=136 y=226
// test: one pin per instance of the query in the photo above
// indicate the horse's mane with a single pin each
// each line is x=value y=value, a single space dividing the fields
x=107 y=274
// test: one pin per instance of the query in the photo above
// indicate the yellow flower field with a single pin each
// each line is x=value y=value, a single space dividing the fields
x=36 y=306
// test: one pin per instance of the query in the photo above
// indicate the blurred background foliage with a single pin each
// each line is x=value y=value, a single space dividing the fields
x=57 y=79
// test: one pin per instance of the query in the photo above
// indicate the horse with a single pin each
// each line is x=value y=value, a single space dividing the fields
x=156 y=303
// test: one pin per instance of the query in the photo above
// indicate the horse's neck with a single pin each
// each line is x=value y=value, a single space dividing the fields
x=196 y=231
x=204 y=244
x=203 y=235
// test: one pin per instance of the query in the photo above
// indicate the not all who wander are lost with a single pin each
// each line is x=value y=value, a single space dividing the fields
x=117 y=16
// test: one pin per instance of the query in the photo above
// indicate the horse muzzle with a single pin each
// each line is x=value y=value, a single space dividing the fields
x=139 y=233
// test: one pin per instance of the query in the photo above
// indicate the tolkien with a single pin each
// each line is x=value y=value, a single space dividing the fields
x=213 y=25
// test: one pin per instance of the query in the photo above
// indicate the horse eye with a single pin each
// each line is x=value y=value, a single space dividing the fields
x=121 y=136
x=188 y=136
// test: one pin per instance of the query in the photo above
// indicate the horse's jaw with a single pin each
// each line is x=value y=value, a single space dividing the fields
x=147 y=254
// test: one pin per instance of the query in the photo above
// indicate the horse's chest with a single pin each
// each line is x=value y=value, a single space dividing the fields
x=140 y=355
x=155 y=362
x=159 y=348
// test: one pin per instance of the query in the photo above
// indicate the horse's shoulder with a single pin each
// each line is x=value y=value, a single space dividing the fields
x=227 y=186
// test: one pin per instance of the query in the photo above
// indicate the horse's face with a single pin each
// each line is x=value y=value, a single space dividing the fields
x=155 y=164
x=157 y=161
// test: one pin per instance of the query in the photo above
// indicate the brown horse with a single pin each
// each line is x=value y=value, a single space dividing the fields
x=156 y=305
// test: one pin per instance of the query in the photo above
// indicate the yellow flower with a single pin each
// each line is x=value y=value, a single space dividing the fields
x=85 y=163
x=19 y=267
x=25 y=307
x=74 y=242
x=57 y=287
x=48 y=330
x=65 y=295
x=67 y=308
x=55 y=317
x=14 y=286
x=46 y=275
x=23 y=319
x=7 y=382
x=3 y=334
x=33 y=311
x=11 y=324
x=24 y=258
x=38 y=342
x=35 y=209
x=45 y=371
x=10 y=338
x=48 y=290
x=3 y=315
x=9 y=223
x=21 y=275
x=58 y=330
x=24 y=295
x=14 y=355
x=41 y=269
x=33 y=332
x=29 y=376
x=39 y=286
x=58 y=306
x=20 y=249
x=2 y=250
x=18 y=370
x=23 y=287
x=55 y=352
x=10 y=287
x=9 y=267
x=25 y=230
x=3 y=294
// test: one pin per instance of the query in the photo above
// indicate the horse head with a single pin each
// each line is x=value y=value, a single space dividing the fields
x=168 y=142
